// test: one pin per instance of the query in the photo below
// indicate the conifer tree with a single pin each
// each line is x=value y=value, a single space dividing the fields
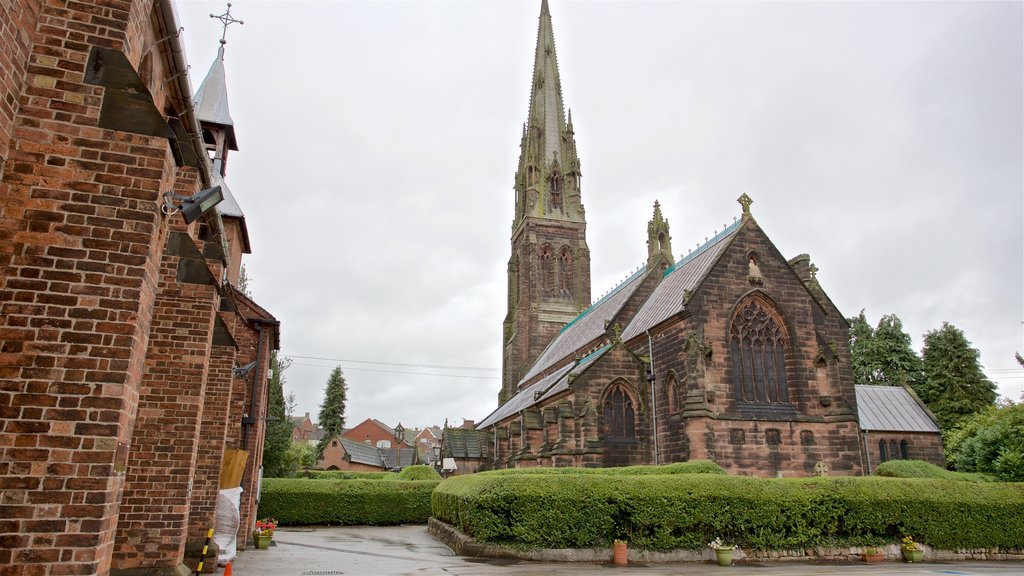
x=883 y=355
x=954 y=386
x=278 y=438
x=332 y=410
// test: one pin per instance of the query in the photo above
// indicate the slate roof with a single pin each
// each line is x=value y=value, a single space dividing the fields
x=362 y=453
x=399 y=457
x=891 y=409
x=462 y=443
x=686 y=274
x=541 y=390
x=587 y=326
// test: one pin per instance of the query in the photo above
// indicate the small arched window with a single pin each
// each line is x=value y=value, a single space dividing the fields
x=882 y=456
x=757 y=346
x=619 y=419
x=894 y=450
x=565 y=271
x=904 y=452
x=672 y=389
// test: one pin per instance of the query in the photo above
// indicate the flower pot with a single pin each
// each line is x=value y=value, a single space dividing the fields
x=620 y=553
x=915 y=555
x=262 y=541
x=873 y=558
x=724 y=556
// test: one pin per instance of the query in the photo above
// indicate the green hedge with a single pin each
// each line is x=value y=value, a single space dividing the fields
x=418 y=472
x=692 y=467
x=348 y=475
x=665 y=512
x=295 y=501
x=922 y=469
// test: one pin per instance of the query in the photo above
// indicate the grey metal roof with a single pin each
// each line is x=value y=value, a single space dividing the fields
x=540 y=390
x=587 y=326
x=667 y=298
x=362 y=453
x=891 y=409
x=228 y=207
x=211 y=99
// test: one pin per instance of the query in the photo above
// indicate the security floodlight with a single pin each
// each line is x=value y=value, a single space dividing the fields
x=192 y=207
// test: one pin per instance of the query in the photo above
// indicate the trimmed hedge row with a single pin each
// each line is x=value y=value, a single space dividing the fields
x=295 y=501
x=691 y=467
x=665 y=512
x=922 y=469
x=348 y=475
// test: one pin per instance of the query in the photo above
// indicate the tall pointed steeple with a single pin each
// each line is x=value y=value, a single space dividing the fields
x=548 y=180
x=549 y=270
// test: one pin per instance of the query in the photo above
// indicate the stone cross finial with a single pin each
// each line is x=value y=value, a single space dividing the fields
x=745 y=201
x=226 y=19
x=814 y=271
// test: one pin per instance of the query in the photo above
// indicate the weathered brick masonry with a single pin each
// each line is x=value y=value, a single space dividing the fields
x=116 y=385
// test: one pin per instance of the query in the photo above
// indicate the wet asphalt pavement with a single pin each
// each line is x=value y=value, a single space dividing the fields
x=411 y=550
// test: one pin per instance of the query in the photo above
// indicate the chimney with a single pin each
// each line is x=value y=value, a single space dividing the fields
x=468 y=424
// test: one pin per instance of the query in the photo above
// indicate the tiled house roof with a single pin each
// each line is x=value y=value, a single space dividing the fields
x=462 y=443
x=362 y=453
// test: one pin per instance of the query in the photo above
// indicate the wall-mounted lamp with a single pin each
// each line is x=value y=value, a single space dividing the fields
x=192 y=207
x=243 y=371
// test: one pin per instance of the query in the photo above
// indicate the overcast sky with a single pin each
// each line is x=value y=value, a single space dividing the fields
x=379 y=141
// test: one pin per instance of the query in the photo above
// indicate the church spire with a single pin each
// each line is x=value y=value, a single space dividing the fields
x=659 y=242
x=548 y=180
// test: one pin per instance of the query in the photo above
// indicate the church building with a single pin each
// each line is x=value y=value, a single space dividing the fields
x=731 y=352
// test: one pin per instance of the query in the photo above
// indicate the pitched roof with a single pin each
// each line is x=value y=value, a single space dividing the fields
x=462 y=443
x=362 y=453
x=891 y=409
x=541 y=390
x=398 y=457
x=211 y=99
x=589 y=325
x=685 y=275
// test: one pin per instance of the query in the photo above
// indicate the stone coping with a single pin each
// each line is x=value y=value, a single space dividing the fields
x=464 y=545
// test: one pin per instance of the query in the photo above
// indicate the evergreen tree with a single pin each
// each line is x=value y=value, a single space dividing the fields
x=883 y=355
x=332 y=410
x=279 y=425
x=243 y=282
x=954 y=386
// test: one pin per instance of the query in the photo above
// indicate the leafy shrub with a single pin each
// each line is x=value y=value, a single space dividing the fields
x=296 y=501
x=692 y=467
x=979 y=442
x=684 y=511
x=922 y=469
x=418 y=472
x=348 y=475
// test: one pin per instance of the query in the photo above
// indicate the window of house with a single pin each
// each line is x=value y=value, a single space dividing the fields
x=757 y=346
x=619 y=414
x=383 y=443
x=334 y=443
x=882 y=456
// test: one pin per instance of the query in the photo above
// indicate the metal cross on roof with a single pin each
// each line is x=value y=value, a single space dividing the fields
x=226 y=19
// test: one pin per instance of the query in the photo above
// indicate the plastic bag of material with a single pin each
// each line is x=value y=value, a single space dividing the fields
x=225 y=531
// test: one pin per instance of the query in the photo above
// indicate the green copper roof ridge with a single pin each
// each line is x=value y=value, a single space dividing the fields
x=610 y=293
x=703 y=248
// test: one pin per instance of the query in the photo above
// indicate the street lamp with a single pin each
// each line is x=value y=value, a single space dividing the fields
x=437 y=458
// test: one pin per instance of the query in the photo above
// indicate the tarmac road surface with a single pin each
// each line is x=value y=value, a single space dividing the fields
x=410 y=550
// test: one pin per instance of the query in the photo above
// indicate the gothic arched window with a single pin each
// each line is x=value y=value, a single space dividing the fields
x=903 y=450
x=565 y=271
x=881 y=451
x=894 y=451
x=757 y=345
x=619 y=420
x=547 y=269
x=673 y=389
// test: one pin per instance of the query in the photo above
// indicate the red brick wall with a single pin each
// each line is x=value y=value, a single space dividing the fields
x=17 y=35
x=370 y=430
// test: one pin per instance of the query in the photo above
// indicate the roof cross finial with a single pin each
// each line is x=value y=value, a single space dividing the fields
x=226 y=19
x=745 y=201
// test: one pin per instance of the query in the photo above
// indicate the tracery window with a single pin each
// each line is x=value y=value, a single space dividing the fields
x=619 y=419
x=547 y=269
x=894 y=452
x=757 y=345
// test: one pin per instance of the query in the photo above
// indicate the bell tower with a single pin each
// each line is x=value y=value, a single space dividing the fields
x=549 y=269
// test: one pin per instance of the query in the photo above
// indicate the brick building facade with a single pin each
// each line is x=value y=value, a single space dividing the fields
x=732 y=353
x=120 y=332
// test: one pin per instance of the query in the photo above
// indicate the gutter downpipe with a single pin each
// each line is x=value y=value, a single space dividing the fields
x=654 y=402
x=867 y=455
x=188 y=118
x=249 y=421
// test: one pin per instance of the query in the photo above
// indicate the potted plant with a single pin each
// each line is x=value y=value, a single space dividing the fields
x=723 y=551
x=872 y=555
x=264 y=533
x=912 y=551
x=620 y=553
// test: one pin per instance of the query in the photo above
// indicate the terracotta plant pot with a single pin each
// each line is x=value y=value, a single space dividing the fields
x=873 y=558
x=262 y=541
x=724 y=556
x=620 y=553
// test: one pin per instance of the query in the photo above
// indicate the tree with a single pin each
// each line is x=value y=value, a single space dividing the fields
x=991 y=441
x=954 y=386
x=243 y=282
x=332 y=410
x=279 y=424
x=882 y=355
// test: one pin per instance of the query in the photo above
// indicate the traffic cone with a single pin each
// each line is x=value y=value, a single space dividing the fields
x=227 y=569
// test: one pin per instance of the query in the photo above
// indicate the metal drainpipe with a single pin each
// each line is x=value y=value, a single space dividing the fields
x=654 y=401
x=867 y=453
